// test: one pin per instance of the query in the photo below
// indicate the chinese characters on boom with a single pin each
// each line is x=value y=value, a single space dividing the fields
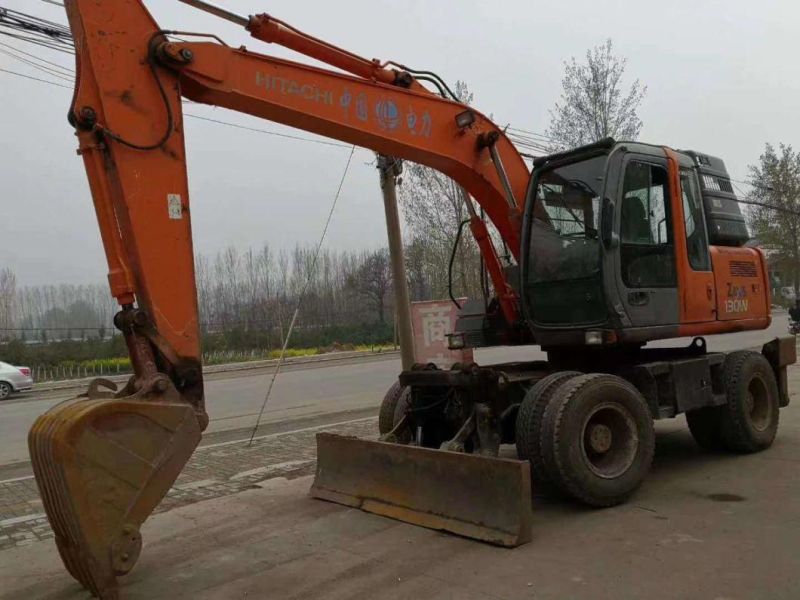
x=383 y=111
x=432 y=321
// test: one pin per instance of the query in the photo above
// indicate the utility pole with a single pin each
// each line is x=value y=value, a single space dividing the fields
x=389 y=168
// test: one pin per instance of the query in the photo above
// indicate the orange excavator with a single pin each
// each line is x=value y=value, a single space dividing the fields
x=612 y=245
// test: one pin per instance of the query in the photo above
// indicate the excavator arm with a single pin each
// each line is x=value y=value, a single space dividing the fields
x=127 y=111
x=105 y=460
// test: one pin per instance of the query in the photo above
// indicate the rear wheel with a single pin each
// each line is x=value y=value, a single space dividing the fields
x=749 y=419
x=5 y=390
x=706 y=427
x=529 y=421
x=393 y=407
x=598 y=439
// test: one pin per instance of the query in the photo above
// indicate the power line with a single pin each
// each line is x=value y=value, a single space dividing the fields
x=267 y=132
x=542 y=136
x=302 y=294
x=38 y=67
x=39 y=58
x=36 y=31
x=66 y=87
x=39 y=42
x=218 y=121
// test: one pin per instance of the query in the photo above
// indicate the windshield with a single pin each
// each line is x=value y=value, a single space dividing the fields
x=564 y=229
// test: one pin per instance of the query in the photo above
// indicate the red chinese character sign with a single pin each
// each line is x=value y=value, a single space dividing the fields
x=432 y=321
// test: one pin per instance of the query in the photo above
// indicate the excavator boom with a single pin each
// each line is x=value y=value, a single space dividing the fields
x=103 y=461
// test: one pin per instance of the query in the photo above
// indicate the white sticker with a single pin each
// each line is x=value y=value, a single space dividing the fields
x=174 y=206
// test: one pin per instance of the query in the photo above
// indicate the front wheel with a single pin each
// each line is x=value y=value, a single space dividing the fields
x=5 y=390
x=598 y=439
x=749 y=419
x=529 y=421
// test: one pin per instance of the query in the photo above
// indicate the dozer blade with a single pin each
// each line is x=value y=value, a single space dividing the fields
x=484 y=498
x=102 y=466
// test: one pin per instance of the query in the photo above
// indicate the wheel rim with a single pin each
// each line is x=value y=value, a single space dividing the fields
x=4 y=391
x=757 y=405
x=610 y=440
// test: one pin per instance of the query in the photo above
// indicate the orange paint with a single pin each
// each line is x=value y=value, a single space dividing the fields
x=141 y=195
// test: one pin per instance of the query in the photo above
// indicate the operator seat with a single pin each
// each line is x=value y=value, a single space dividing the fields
x=635 y=226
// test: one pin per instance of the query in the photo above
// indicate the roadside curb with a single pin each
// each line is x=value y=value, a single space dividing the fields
x=226 y=368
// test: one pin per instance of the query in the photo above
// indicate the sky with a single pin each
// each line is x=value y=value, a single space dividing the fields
x=722 y=77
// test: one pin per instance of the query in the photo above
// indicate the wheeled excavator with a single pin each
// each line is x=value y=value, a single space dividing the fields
x=612 y=245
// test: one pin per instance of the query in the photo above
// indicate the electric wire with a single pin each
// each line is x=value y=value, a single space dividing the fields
x=38 y=67
x=301 y=297
x=66 y=70
x=452 y=260
x=523 y=138
x=36 y=29
x=275 y=133
x=207 y=119
x=56 y=36
x=38 y=42
x=66 y=87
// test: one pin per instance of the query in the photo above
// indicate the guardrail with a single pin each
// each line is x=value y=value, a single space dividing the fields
x=223 y=368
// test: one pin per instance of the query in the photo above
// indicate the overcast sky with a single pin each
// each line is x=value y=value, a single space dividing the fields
x=723 y=77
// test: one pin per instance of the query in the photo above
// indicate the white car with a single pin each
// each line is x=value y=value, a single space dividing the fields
x=14 y=379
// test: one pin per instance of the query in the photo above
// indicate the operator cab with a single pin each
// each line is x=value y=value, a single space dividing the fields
x=628 y=242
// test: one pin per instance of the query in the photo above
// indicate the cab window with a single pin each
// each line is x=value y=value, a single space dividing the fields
x=696 y=239
x=647 y=250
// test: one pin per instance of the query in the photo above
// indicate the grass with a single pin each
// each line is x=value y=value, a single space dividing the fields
x=72 y=369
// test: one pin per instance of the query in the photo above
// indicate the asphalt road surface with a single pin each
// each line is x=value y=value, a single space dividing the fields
x=352 y=387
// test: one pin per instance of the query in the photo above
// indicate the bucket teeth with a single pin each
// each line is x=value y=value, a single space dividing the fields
x=102 y=466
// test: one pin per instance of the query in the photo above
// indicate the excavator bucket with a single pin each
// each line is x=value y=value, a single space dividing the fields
x=102 y=466
x=488 y=499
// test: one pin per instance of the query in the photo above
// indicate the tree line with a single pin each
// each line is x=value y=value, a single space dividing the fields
x=246 y=298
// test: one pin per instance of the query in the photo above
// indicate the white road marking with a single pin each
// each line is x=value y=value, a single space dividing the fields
x=281 y=433
x=22 y=519
x=229 y=443
x=13 y=479
x=284 y=466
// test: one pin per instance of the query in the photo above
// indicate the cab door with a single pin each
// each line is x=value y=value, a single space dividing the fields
x=645 y=261
x=694 y=268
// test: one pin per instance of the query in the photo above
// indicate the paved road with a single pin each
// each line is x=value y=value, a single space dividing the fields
x=233 y=399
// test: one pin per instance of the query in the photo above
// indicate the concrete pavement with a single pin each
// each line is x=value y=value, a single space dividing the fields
x=704 y=526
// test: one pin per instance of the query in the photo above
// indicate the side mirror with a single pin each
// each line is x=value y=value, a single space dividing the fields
x=610 y=239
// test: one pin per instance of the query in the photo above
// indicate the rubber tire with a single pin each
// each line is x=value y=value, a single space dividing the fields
x=561 y=439
x=736 y=430
x=527 y=435
x=705 y=425
x=393 y=406
x=388 y=406
x=5 y=390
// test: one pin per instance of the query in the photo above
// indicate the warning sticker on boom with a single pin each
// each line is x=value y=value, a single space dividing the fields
x=174 y=207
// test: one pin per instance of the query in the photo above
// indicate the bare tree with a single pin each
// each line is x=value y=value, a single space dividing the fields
x=594 y=103
x=8 y=292
x=433 y=209
x=372 y=281
x=776 y=183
